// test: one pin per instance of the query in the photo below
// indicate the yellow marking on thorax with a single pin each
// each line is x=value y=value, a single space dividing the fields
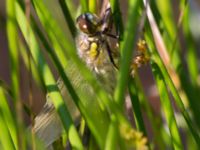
x=93 y=50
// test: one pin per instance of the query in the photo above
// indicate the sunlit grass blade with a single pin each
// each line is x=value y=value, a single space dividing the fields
x=133 y=90
x=154 y=119
x=84 y=5
x=36 y=76
x=92 y=6
x=190 y=80
x=68 y=17
x=166 y=12
x=14 y=68
x=9 y=123
x=49 y=83
x=5 y=137
x=127 y=45
x=13 y=47
x=167 y=108
x=192 y=59
x=55 y=34
x=170 y=32
x=112 y=135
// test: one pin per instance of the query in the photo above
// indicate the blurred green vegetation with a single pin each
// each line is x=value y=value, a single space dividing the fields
x=42 y=31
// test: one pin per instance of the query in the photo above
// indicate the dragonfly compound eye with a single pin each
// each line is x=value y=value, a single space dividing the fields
x=88 y=23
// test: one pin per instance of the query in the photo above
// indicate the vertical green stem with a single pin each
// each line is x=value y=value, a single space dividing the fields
x=167 y=107
x=112 y=136
x=92 y=6
x=8 y=123
x=133 y=90
x=68 y=17
x=127 y=46
x=84 y=5
x=14 y=68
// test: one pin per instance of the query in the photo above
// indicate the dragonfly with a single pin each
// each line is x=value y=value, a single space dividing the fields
x=94 y=48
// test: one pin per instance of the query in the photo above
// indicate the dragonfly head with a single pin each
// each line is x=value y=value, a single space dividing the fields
x=88 y=23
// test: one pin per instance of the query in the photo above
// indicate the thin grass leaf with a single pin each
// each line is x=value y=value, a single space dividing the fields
x=167 y=107
x=50 y=83
x=56 y=35
x=112 y=135
x=68 y=17
x=166 y=12
x=127 y=50
x=92 y=6
x=5 y=137
x=170 y=30
x=9 y=137
x=189 y=80
x=36 y=76
x=133 y=90
x=155 y=120
x=14 y=67
x=192 y=60
x=117 y=18
x=13 y=47
x=84 y=5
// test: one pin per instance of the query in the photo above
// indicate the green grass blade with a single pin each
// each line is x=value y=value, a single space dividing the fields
x=127 y=50
x=5 y=137
x=112 y=136
x=84 y=5
x=166 y=12
x=133 y=90
x=92 y=6
x=8 y=123
x=14 y=68
x=167 y=107
x=36 y=76
x=13 y=47
x=190 y=80
x=192 y=59
x=154 y=119
x=68 y=17
x=55 y=34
